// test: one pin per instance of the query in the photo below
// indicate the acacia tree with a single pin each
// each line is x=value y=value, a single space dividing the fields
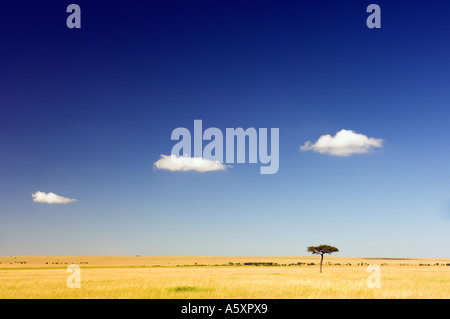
x=321 y=250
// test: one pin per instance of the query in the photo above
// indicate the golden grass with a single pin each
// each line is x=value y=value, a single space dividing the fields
x=160 y=277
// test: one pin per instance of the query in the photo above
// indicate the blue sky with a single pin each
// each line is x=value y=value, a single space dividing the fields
x=86 y=112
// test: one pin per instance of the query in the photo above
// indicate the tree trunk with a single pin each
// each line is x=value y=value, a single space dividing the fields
x=321 y=259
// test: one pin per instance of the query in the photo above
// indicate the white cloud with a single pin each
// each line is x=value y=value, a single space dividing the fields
x=184 y=163
x=344 y=143
x=50 y=198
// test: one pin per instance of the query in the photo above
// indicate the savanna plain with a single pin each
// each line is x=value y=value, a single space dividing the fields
x=195 y=277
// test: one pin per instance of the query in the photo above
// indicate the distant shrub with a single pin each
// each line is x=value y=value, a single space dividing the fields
x=260 y=264
x=184 y=288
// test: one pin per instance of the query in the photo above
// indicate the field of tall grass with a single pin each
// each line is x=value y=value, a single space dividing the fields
x=222 y=277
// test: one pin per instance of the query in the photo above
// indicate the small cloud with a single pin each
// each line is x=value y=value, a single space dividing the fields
x=184 y=163
x=344 y=143
x=50 y=198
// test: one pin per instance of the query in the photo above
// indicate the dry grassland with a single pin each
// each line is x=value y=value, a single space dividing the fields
x=222 y=277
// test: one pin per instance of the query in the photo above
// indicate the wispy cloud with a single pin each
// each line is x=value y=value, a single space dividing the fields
x=344 y=143
x=184 y=163
x=50 y=198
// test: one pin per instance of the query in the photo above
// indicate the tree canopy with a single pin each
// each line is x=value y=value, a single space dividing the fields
x=322 y=249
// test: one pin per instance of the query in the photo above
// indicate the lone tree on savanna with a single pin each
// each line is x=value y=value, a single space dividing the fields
x=321 y=250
